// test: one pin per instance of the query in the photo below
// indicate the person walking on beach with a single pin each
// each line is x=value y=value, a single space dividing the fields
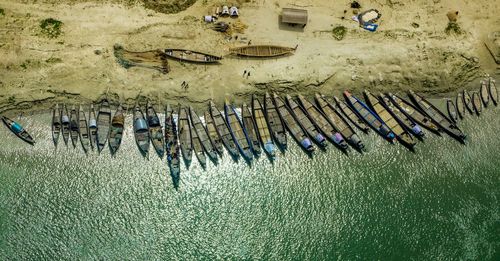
x=244 y=73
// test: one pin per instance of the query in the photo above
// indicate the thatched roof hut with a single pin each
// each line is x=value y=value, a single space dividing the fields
x=294 y=16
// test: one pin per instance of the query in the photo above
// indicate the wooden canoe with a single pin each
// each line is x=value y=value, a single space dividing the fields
x=240 y=137
x=468 y=101
x=92 y=127
x=192 y=56
x=116 y=131
x=476 y=103
x=103 y=124
x=459 y=103
x=414 y=113
x=83 y=128
x=18 y=130
x=56 y=124
x=276 y=124
x=404 y=120
x=202 y=134
x=212 y=133
x=351 y=115
x=262 y=128
x=492 y=89
x=262 y=51
x=172 y=146
x=141 y=132
x=155 y=129
x=223 y=130
x=73 y=126
x=185 y=136
x=197 y=146
x=250 y=129
x=485 y=97
x=65 y=124
x=452 y=110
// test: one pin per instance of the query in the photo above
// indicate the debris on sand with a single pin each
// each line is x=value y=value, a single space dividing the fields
x=339 y=32
x=454 y=28
x=154 y=59
x=51 y=27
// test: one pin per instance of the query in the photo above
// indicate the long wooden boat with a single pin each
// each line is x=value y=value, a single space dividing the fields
x=65 y=124
x=404 y=120
x=83 y=130
x=262 y=127
x=414 y=113
x=292 y=125
x=485 y=96
x=250 y=129
x=438 y=117
x=172 y=146
x=192 y=56
x=459 y=103
x=73 y=126
x=18 y=130
x=185 y=136
x=141 y=132
x=476 y=103
x=116 y=130
x=452 y=111
x=212 y=133
x=276 y=124
x=103 y=124
x=402 y=135
x=92 y=127
x=340 y=123
x=351 y=115
x=238 y=133
x=197 y=147
x=468 y=101
x=202 y=134
x=155 y=129
x=305 y=122
x=370 y=117
x=262 y=51
x=492 y=89
x=321 y=123
x=223 y=130
x=56 y=124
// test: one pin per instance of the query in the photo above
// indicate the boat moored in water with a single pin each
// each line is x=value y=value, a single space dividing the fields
x=492 y=90
x=485 y=97
x=459 y=103
x=18 y=130
x=197 y=146
x=276 y=124
x=370 y=117
x=56 y=124
x=305 y=122
x=238 y=133
x=92 y=127
x=467 y=101
x=292 y=125
x=404 y=120
x=185 y=136
x=438 y=117
x=103 y=124
x=172 y=146
x=83 y=129
x=262 y=124
x=414 y=113
x=73 y=126
x=351 y=115
x=141 y=132
x=65 y=124
x=202 y=134
x=223 y=130
x=155 y=130
x=250 y=129
x=116 y=130
x=476 y=103
x=212 y=133
x=452 y=110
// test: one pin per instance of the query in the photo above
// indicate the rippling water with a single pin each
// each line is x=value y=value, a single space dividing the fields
x=441 y=202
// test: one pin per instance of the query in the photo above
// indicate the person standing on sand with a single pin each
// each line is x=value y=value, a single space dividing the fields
x=244 y=73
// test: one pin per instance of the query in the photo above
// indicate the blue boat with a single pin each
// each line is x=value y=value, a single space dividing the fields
x=18 y=130
x=371 y=118
x=238 y=133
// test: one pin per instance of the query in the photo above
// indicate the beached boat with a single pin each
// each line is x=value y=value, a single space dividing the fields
x=65 y=124
x=223 y=130
x=370 y=117
x=261 y=124
x=404 y=120
x=202 y=134
x=155 y=129
x=322 y=123
x=351 y=115
x=262 y=51
x=73 y=126
x=438 y=117
x=103 y=124
x=172 y=146
x=92 y=127
x=292 y=125
x=276 y=125
x=197 y=147
x=414 y=113
x=192 y=56
x=339 y=122
x=476 y=103
x=185 y=136
x=141 y=132
x=116 y=130
x=459 y=103
x=452 y=110
x=485 y=97
x=492 y=89
x=238 y=133
x=305 y=122
x=56 y=124
x=212 y=133
x=402 y=135
x=250 y=129
x=468 y=101
x=18 y=130
x=83 y=130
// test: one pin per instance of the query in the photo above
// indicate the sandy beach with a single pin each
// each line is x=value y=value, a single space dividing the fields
x=410 y=50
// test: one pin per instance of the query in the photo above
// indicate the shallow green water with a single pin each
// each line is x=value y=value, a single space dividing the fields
x=441 y=202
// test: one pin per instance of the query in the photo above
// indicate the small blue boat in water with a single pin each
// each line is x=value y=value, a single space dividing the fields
x=371 y=118
x=18 y=130
x=238 y=133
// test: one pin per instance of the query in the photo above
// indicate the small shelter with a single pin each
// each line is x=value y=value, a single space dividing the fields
x=294 y=16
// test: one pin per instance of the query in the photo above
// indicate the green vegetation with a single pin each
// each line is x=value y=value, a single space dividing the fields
x=2 y=12
x=454 y=28
x=12 y=99
x=51 y=27
x=339 y=32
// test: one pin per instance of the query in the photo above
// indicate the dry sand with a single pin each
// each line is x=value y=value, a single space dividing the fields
x=37 y=72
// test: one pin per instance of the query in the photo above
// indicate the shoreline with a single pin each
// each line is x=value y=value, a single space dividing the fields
x=79 y=66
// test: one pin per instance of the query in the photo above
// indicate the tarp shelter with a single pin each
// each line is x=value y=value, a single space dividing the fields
x=294 y=16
